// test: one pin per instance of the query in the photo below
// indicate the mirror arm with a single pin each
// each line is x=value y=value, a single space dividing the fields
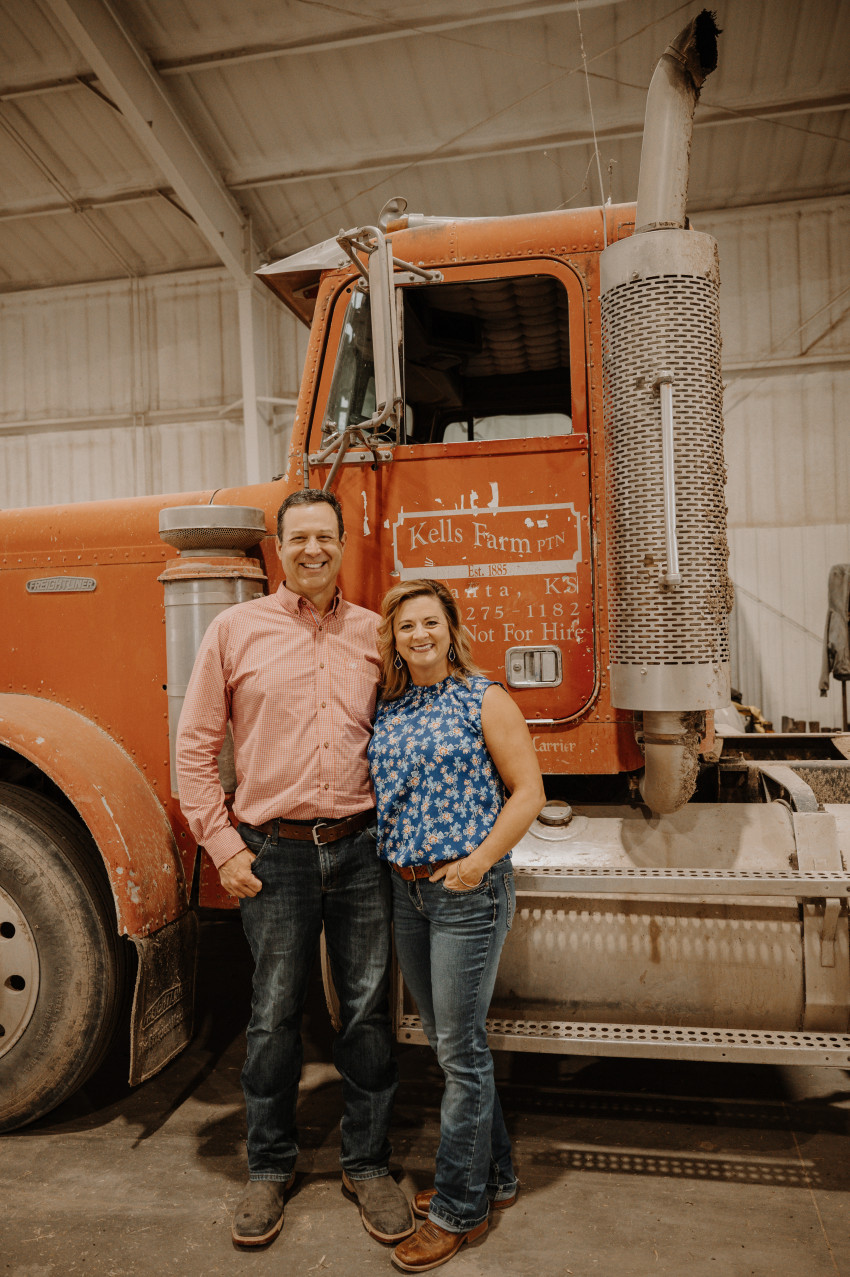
x=343 y=444
x=427 y=276
x=346 y=241
x=344 y=441
x=329 y=447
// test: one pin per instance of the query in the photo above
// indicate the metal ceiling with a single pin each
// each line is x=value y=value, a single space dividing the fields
x=282 y=120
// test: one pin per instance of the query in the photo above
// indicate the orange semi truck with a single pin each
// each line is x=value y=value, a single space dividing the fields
x=529 y=409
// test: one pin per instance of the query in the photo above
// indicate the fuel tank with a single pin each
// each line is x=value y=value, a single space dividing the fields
x=717 y=931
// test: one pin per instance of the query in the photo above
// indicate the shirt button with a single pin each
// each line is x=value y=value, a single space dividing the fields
x=324 y=786
x=321 y=665
x=326 y=744
x=323 y=705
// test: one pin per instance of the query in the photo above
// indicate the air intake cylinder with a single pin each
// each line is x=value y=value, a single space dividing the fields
x=212 y=573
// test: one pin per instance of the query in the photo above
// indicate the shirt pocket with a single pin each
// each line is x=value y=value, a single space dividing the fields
x=359 y=689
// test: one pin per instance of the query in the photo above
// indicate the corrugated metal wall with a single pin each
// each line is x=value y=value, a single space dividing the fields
x=785 y=301
x=134 y=387
x=117 y=390
x=777 y=623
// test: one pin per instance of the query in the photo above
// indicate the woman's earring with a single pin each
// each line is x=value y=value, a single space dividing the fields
x=451 y=653
x=398 y=662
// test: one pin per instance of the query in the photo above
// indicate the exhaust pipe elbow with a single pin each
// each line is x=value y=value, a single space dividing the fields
x=671 y=743
x=670 y=104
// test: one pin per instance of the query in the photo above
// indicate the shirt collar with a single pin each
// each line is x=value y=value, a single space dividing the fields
x=296 y=604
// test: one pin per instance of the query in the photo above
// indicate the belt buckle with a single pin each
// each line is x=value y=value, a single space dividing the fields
x=315 y=830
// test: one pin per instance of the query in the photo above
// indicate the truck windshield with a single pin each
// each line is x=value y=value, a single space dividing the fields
x=352 y=396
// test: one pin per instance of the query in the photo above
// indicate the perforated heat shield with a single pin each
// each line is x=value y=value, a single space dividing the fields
x=660 y=322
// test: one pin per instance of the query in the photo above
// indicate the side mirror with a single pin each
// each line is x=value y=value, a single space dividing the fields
x=378 y=278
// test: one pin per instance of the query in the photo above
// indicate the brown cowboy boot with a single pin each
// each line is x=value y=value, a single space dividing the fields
x=422 y=1202
x=258 y=1217
x=433 y=1246
x=384 y=1209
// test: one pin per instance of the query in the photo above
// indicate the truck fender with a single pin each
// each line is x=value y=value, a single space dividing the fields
x=136 y=843
x=114 y=801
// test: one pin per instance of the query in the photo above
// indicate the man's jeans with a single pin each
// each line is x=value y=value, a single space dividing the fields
x=344 y=885
x=448 y=945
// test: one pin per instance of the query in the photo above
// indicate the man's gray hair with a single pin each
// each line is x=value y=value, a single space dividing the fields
x=310 y=496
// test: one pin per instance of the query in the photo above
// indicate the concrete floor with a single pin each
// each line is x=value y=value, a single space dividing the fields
x=626 y=1168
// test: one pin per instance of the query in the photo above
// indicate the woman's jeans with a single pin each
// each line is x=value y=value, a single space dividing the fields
x=448 y=945
x=344 y=886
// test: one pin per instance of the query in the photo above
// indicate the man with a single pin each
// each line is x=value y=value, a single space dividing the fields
x=295 y=674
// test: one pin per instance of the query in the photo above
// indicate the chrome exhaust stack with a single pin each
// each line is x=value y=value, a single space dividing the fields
x=668 y=588
x=669 y=122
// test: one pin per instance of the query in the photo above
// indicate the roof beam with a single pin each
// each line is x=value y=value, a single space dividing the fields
x=709 y=117
x=85 y=204
x=342 y=39
x=723 y=204
x=428 y=24
x=123 y=68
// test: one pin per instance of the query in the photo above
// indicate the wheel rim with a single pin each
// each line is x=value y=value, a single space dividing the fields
x=19 y=973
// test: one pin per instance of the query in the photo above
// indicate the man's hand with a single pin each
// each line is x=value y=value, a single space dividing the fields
x=236 y=876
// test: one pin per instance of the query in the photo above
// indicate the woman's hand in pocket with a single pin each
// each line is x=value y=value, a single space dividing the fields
x=460 y=875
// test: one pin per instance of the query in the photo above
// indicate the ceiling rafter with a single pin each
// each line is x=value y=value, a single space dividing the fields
x=143 y=194
x=365 y=35
x=130 y=80
x=709 y=117
x=362 y=35
x=51 y=208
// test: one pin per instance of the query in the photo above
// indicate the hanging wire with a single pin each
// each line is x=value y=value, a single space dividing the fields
x=394 y=173
x=593 y=128
x=406 y=28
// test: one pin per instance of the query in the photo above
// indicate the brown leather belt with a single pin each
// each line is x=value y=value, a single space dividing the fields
x=318 y=831
x=411 y=872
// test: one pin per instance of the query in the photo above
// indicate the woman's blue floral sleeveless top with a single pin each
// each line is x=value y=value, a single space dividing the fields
x=438 y=790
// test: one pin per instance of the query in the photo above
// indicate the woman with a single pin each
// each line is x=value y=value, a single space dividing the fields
x=447 y=744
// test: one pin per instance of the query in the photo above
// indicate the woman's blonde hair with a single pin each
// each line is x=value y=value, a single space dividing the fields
x=395 y=681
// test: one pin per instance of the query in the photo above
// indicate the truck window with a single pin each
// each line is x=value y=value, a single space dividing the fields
x=519 y=426
x=352 y=396
x=487 y=359
x=482 y=359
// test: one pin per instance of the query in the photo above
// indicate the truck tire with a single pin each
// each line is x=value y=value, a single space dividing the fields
x=62 y=964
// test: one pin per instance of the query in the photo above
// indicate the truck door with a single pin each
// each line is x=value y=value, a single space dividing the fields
x=488 y=489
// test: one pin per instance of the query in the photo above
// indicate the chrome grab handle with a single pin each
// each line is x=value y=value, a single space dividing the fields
x=664 y=385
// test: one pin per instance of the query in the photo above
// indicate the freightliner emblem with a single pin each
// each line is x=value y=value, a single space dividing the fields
x=61 y=584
